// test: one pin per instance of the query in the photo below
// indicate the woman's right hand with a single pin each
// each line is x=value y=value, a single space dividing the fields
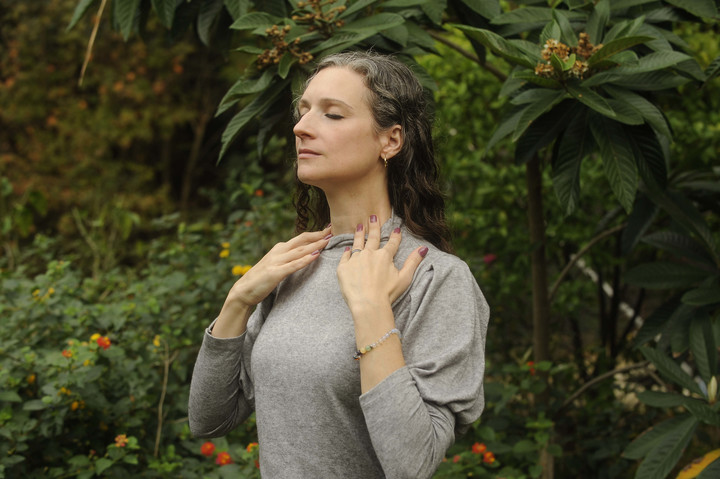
x=255 y=285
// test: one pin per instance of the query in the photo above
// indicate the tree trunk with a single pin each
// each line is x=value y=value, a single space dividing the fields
x=541 y=301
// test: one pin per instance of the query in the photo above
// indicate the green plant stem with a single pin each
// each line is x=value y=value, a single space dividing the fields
x=579 y=255
x=91 y=42
x=166 y=373
x=487 y=66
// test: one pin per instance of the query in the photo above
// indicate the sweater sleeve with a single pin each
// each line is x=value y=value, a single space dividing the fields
x=221 y=390
x=414 y=414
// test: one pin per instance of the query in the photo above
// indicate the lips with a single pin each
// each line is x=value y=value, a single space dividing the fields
x=304 y=153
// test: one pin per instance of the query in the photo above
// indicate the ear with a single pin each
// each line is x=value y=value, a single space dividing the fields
x=392 y=141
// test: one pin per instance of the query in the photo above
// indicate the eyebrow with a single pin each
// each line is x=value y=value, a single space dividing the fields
x=326 y=101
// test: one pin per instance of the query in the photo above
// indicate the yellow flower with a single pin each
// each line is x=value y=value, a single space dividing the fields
x=65 y=391
x=225 y=253
x=239 y=269
x=156 y=341
x=94 y=337
x=75 y=405
x=50 y=291
x=87 y=362
x=36 y=293
x=693 y=469
x=31 y=378
x=225 y=245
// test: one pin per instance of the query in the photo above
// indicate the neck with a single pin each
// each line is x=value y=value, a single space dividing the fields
x=348 y=209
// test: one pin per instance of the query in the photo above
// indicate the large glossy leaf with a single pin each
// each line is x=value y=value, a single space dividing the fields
x=165 y=10
x=679 y=244
x=703 y=347
x=258 y=105
x=651 y=81
x=670 y=311
x=254 y=20
x=375 y=23
x=498 y=45
x=653 y=61
x=237 y=8
x=506 y=127
x=562 y=17
x=702 y=412
x=662 y=459
x=575 y=144
x=618 y=159
x=209 y=11
x=665 y=275
x=125 y=16
x=597 y=21
x=591 y=99
x=535 y=79
x=551 y=30
x=615 y=46
x=531 y=15
x=711 y=471
x=649 y=155
x=651 y=113
x=341 y=41
x=660 y=399
x=643 y=214
x=671 y=370
x=487 y=8
x=543 y=102
x=244 y=86
x=652 y=437
x=544 y=131
x=434 y=10
x=355 y=7
x=700 y=8
x=79 y=11
x=702 y=296
x=713 y=70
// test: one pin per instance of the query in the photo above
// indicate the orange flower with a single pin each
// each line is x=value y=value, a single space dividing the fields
x=223 y=459
x=259 y=192
x=121 y=440
x=531 y=365
x=252 y=447
x=488 y=457
x=207 y=449
x=456 y=458
x=67 y=354
x=103 y=342
x=479 y=448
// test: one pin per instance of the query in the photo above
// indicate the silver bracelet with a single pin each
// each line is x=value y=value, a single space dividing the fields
x=362 y=351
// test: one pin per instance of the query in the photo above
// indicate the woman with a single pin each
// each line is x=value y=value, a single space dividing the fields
x=364 y=354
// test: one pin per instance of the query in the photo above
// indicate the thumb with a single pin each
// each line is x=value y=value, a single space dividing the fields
x=409 y=267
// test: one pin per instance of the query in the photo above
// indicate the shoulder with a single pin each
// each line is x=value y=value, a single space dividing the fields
x=436 y=262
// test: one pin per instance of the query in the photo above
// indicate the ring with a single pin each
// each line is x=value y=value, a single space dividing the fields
x=355 y=251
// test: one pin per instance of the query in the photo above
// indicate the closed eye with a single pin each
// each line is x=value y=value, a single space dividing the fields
x=333 y=116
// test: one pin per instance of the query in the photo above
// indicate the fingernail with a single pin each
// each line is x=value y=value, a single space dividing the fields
x=359 y=227
x=396 y=230
x=373 y=219
x=328 y=236
x=423 y=251
x=347 y=248
x=316 y=252
x=328 y=225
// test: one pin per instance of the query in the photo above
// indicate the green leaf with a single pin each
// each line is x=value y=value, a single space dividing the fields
x=665 y=275
x=258 y=105
x=551 y=30
x=671 y=370
x=498 y=45
x=531 y=15
x=341 y=41
x=651 y=81
x=10 y=396
x=397 y=34
x=34 y=405
x=681 y=245
x=653 y=61
x=434 y=10
x=536 y=79
x=375 y=23
x=355 y=7
x=643 y=214
x=700 y=410
x=703 y=347
x=660 y=461
x=486 y=8
x=590 y=98
x=524 y=446
x=544 y=131
x=650 y=157
x=702 y=296
x=125 y=16
x=713 y=70
x=209 y=11
x=711 y=471
x=255 y=20
x=653 y=436
x=237 y=8
x=102 y=464
x=597 y=21
x=661 y=399
x=617 y=157
x=651 y=113
x=575 y=144
x=80 y=10
x=244 y=86
x=615 y=46
x=699 y=8
x=659 y=319
x=507 y=126
x=544 y=101
x=568 y=34
x=165 y=10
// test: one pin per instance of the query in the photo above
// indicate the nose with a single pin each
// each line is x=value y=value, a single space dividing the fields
x=303 y=127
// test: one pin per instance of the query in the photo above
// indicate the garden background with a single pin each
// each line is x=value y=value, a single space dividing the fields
x=145 y=164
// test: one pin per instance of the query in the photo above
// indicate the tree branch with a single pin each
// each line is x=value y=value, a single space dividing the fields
x=487 y=66
x=91 y=42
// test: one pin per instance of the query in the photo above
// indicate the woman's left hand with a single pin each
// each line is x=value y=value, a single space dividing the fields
x=367 y=273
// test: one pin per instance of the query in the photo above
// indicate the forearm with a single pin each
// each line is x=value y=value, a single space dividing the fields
x=372 y=321
x=232 y=320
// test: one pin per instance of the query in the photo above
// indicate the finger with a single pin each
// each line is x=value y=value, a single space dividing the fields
x=373 y=241
x=394 y=242
x=346 y=255
x=304 y=249
x=411 y=264
x=309 y=237
x=359 y=239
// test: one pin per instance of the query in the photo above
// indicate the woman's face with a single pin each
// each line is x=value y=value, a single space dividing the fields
x=335 y=137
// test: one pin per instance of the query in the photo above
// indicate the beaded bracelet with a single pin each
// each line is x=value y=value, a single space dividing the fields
x=362 y=351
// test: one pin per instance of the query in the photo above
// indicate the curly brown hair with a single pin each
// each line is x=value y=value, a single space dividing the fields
x=396 y=98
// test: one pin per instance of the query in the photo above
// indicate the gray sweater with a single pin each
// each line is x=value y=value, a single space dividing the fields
x=294 y=367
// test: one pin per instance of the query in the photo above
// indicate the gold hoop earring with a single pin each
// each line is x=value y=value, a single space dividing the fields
x=385 y=160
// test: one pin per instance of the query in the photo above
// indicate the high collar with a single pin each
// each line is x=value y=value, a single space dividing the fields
x=346 y=239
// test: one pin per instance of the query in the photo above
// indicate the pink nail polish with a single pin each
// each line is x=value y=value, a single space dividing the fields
x=423 y=251
x=316 y=252
x=373 y=219
x=359 y=227
x=347 y=248
x=396 y=230
x=328 y=236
